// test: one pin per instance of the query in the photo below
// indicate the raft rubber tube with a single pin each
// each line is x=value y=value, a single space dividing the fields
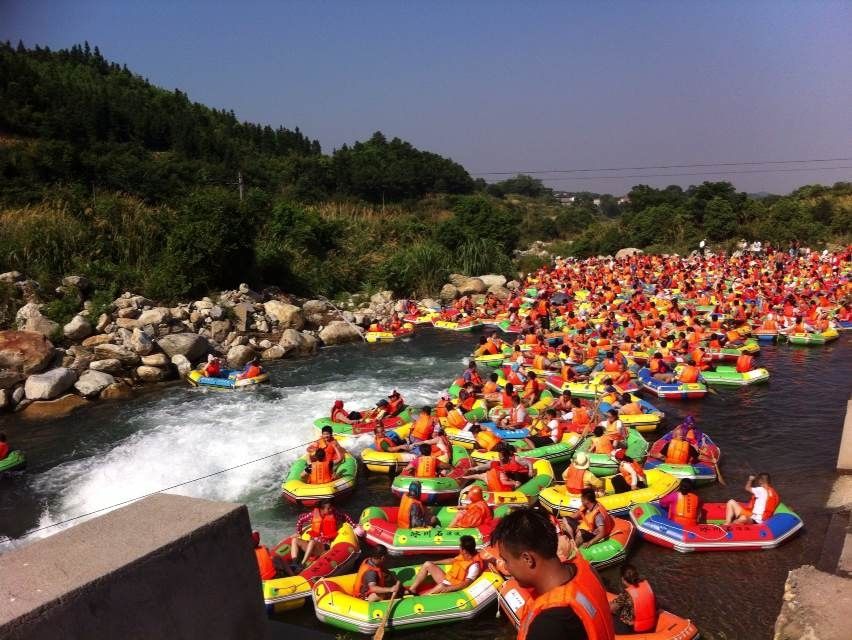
x=554 y=453
x=227 y=381
x=671 y=390
x=14 y=461
x=728 y=375
x=296 y=491
x=603 y=464
x=440 y=489
x=645 y=422
x=524 y=495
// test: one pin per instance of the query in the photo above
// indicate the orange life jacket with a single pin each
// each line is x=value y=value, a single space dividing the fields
x=588 y=517
x=580 y=417
x=685 y=510
x=427 y=467
x=381 y=443
x=603 y=444
x=455 y=418
x=492 y=478
x=644 y=607
x=476 y=514
x=772 y=502
x=264 y=563
x=677 y=452
x=441 y=409
x=362 y=571
x=689 y=374
x=744 y=363
x=489 y=388
x=457 y=573
x=584 y=594
x=574 y=480
x=403 y=516
x=466 y=404
x=422 y=428
x=325 y=526
x=637 y=468
x=611 y=366
x=320 y=471
x=395 y=405
x=487 y=440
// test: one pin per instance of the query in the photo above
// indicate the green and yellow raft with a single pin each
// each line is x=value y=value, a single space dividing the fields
x=602 y=464
x=297 y=491
x=728 y=375
x=811 y=339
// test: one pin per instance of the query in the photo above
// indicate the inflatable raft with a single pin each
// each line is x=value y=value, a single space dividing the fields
x=559 y=501
x=728 y=375
x=671 y=390
x=389 y=336
x=387 y=461
x=296 y=491
x=710 y=534
x=283 y=594
x=380 y=526
x=810 y=339
x=440 y=489
x=346 y=433
x=524 y=495
x=553 y=453
x=645 y=422
x=669 y=626
x=336 y=605
x=463 y=325
x=699 y=472
x=603 y=464
x=15 y=461
x=228 y=380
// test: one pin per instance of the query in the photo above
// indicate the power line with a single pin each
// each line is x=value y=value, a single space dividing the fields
x=662 y=166
x=700 y=173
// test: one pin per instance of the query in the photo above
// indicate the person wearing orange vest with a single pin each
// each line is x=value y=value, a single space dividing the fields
x=495 y=477
x=253 y=370
x=568 y=599
x=532 y=389
x=334 y=452
x=423 y=426
x=321 y=524
x=412 y=512
x=462 y=571
x=634 y=610
x=630 y=474
x=578 y=477
x=485 y=440
x=320 y=469
x=396 y=403
x=602 y=442
x=339 y=414
x=581 y=419
x=269 y=565
x=383 y=442
x=764 y=501
x=471 y=375
x=628 y=406
x=595 y=522
x=426 y=465
x=678 y=450
x=683 y=505
x=474 y=514
x=373 y=582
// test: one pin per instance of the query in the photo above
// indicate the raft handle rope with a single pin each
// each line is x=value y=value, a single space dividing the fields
x=5 y=539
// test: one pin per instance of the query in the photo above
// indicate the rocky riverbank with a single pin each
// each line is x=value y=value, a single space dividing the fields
x=48 y=370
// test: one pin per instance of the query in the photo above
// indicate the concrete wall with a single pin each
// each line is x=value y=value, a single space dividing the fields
x=844 y=458
x=164 y=567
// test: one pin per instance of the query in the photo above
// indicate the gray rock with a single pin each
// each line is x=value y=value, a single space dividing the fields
x=141 y=342
x=156 y=360
x=492 y=280
x=262 y=326
x=178 y=313
x=125 y=355
x=264 y=344
x=219 y=329
x=217 y=312
x=627 y=252
x=126 y=323
x=243 y=312
x=275 y=352
x=182 y=365
x=78 y=329
x=310 y=344
x=154 y=316
x=338 y=332
x=101 y=338
x=151 y=374
x=449 y=292
x=430 y=303
x=29 y=318
x=291 y=341
x=9 y=379
x=108 y=365
x=49 y=385
x=18 y=395
x=382 y=297
x=191 y=345
x=470 y=286
x=78 y=282
x=239 y=355
x=203 y=304
x=288 y=316
x=91 y=383
x=513 y=285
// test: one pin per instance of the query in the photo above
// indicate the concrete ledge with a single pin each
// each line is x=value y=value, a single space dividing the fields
x=816 y=606
x=164 y=567
x=844 y=457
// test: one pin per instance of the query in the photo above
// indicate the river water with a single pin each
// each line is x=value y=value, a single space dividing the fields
x=115 y=452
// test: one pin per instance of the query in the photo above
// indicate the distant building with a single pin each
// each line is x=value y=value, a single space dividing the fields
x=565 y=197
x=596 y=202
x=624 y=200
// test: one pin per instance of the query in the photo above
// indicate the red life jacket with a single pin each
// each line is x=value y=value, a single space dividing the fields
x=744 y=363
x=772 y=502
x=492 y=479
x=324 y=526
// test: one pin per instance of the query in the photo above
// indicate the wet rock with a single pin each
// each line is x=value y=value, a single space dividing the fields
x=151 y=374
x=77 y=329
x=91 y=383
x=125 y=355
x=182 y=365
x=117 y=390
x=239 y=355
x=53 y=409
x=449 y=292
x=108 y=365
x=25 y=352
x=156 y=360
x=191 y=345
x=339 y=332
x=310 y=344
x=492 y=280
x=49 y=385
x=291 y=341
x=288 y=316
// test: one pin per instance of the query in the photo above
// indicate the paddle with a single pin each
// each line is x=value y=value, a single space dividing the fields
x=380 y=632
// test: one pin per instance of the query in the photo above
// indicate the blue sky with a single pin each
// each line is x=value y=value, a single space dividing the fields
x=504 y=86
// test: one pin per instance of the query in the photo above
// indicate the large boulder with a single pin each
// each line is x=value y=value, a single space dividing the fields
x=141 y=342
x=627 y=252
x=275 y=352
x=151 y=374
x=310 y=344
x=471 y=286
x=288 y=316
x=499 y=292
x=449 y=292
x=118 y=389
x=190 y=345
x=154 y=316
x=53 y=409
x=319 y=313
x=9 y=379
x=91 y=383
x=456 y=279
x=107 y=365
x=78 y=329
x=382 y=297
x=430 y=303
x=49 y=385
x=513 y=285
x=125 y=355
x=239 y=355
x=29 y=318
x=25 y=351
x=291 y=341
x=492 y=280
x=182 y=365
x=219 y=329
x=338 y=332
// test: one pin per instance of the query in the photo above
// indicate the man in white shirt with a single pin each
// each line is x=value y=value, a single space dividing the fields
x=762 y=505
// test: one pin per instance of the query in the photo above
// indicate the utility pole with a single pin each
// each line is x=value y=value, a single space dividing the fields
x=240 y=183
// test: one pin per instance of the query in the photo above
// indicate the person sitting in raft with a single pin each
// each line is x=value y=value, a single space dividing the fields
x=4 y=447
x=320 y=470
x=545 y=429
x=269 y=565
x=472 y=376
x=595 y=523
x=517 y=418
x=487 y=347
x=334 y=452
x=253 y=370
x=373 y=582
x=495 y=478
x=467 y=398
x=463 y=570
x=628 y=406
x=630 y=474
x=634 y=609
x=213 y=368
x=485 y=440
x=684 y=506
x=563 y=405
x=424 y=425
x=532 y=389
x=615 y=427
x=764 y=501
x=491 y=390
x=568 y=600
x=322 y=524
x=659 y=369
x=474 y=514
x=577 y=476
x=412 y=512
x=383 y=442
x=339 y=414
x=396 y=403
x=427 y=465
x=602 y=442
x=678 y=450
x=441 y=446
